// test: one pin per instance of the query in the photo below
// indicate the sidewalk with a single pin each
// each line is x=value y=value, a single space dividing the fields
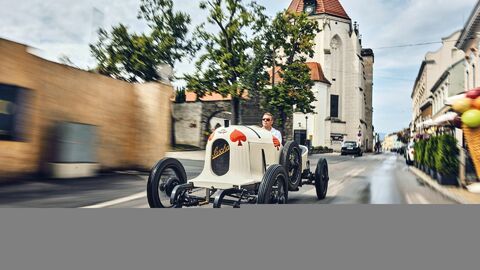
x=456 y=194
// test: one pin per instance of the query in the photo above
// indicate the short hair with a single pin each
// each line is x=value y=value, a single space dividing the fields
x=269 y=114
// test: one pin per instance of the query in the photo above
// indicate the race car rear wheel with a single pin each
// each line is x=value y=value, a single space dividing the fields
x=291 y=159
x=164 y=177
x=273 y=188
x=321 y=179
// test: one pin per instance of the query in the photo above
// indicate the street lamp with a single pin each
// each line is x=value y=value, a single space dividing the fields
x=307 y=141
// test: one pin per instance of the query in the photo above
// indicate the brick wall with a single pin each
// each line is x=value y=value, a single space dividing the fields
x=133 y=120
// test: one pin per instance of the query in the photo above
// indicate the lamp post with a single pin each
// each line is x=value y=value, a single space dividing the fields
x=307 y=141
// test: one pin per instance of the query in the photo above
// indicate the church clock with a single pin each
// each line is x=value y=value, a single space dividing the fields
x=309 y=6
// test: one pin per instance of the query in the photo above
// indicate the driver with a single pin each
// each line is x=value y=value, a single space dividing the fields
x=267 y=123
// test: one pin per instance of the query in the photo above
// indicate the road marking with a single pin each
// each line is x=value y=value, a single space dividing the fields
x=118 y=201
x=335 y=187
x=355 y=173
x=416 y=198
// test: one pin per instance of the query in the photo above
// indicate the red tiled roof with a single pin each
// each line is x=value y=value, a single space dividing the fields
x=331 y=7
x=316 y=73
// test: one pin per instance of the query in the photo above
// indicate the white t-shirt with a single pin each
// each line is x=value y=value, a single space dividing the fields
x=277 y=134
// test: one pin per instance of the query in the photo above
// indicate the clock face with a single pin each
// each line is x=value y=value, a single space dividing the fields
x=309 y=9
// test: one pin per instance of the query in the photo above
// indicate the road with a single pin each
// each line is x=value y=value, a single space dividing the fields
x=371 y=179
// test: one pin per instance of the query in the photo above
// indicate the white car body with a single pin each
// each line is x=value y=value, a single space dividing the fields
x=243 y=164
x=248 y=155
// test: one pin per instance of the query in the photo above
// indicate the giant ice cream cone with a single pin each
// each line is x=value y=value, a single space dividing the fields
x=472 y=135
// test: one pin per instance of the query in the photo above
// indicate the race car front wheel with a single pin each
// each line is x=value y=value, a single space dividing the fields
x=321 y=179
x=164 y=177
x=273 y=188
x=291 y=159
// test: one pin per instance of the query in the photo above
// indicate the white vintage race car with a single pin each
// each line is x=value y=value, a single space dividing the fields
x=243 y=164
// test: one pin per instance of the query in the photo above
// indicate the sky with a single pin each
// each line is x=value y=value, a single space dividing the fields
x=56 y=28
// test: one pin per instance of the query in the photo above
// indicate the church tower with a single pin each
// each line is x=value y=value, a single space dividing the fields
x=338 y=49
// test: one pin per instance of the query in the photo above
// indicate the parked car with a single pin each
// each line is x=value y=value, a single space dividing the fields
x=351 y=148
x=409 y=154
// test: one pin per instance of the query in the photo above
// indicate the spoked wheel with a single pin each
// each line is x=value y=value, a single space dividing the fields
x=273 y=188
x=164 y=177
x=291 y=159
x=321 y=179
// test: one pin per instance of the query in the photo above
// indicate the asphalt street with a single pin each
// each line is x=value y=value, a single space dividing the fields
x=371 y=179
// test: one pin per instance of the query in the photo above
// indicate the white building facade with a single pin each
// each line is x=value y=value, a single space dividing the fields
x=344 y=108
x=469 y=43
x=441 y=75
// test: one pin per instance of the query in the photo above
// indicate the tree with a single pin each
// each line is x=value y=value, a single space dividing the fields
x=135 y=57
x=180 y=95
x=226 y=65
x=289 y=40
x=403 y=136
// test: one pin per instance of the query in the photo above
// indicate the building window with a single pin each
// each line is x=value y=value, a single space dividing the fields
x=468 y=80
x=334 y=106
x=474 y=76
x=13 y=113
x=310 y=6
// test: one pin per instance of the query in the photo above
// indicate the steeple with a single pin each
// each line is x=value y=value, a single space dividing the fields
x=315 y=7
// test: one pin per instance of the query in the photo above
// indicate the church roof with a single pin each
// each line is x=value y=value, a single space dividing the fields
x=316 y=73
x=331 y=7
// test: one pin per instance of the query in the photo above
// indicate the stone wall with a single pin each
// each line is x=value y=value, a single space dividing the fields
x=251 y=113
x=192 y=119
x=188 y=123
x=133 y=121
x=368 y=60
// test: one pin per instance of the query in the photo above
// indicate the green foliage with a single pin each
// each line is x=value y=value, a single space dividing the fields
x=228 y=66
x=135 y=57
x=420 y=151
x=289 y=40
x=403 y=137
x=180 y=95
x=446 y=160
x=430 y=152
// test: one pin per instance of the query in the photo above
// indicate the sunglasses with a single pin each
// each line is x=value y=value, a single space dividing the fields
x=267 y=120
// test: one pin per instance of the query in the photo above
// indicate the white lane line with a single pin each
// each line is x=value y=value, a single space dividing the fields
x=422 y=199
x=336 y=186
x=118 y=201
x=409 y=199
x=356 y=172
x=416 y=198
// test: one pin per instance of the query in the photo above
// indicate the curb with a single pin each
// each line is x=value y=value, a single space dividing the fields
x=436 y=186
